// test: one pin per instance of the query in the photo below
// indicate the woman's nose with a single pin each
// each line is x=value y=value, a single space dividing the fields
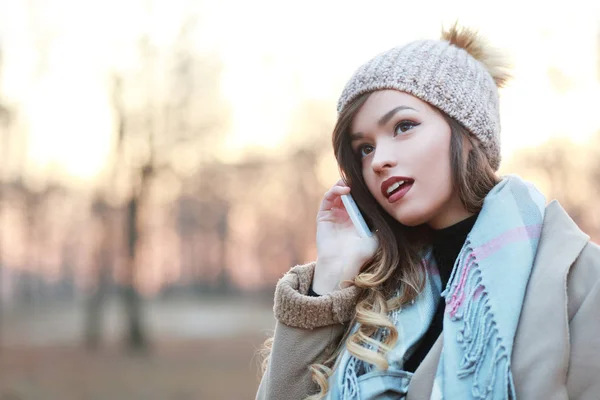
x=383 y=159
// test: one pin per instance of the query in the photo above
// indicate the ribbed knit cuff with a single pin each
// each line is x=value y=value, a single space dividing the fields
x=294 y=308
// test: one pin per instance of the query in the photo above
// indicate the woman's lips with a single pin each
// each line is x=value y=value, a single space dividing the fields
x=400 y=193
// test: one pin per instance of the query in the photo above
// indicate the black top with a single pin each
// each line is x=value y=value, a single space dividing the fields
x=447 y=243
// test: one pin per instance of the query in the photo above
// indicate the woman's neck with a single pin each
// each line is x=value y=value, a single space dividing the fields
x=452 y=213
x=448 y=219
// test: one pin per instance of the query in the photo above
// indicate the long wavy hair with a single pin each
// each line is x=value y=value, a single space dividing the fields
x=395 y=275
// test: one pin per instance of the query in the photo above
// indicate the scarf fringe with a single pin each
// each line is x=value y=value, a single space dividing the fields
x=479 y=330
x=350 y=389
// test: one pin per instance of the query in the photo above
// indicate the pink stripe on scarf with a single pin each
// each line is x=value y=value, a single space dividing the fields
x=460 y=289
x=514 y=235
x=482 y=252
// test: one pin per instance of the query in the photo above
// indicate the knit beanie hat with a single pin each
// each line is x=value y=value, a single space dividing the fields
x=459 y=74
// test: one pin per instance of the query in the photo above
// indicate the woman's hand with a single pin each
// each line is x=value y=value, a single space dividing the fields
x=340 y=250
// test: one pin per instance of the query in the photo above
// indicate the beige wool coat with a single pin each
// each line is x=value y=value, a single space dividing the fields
x=556 y=353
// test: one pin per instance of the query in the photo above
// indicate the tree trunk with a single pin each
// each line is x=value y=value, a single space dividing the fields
x=136 y=337
x=96 y=301
x=223 y=284
x=94 y=307
x=1 y=261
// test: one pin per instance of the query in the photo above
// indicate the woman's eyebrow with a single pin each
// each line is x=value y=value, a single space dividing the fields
x=382 y=121
x=386 y=118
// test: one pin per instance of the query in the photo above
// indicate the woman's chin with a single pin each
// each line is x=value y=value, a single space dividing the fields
x=411 y=224
x=410 y=219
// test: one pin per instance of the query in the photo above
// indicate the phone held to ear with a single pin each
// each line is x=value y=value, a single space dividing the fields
x=356 y=216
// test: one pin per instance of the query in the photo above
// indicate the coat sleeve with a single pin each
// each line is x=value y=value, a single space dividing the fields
x=583 y=291
x=308 y=329
x=288 y=373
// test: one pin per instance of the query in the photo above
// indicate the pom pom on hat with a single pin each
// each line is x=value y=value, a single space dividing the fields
x=473 y=43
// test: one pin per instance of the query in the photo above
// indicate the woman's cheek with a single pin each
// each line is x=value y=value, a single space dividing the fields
x=371 y=184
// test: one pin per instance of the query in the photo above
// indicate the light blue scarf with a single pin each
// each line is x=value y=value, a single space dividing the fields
x=484 y=297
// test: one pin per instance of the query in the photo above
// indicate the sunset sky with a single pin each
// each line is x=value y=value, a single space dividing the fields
x=277 y=55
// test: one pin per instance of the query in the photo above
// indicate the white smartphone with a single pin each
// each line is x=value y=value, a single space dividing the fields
x=356 y=217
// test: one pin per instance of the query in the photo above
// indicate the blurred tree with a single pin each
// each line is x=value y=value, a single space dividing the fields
x=167 y=113
x=595 y=163
x=214 y=193
x=594 y=176
x=136 y=338
x=104 y=256
x=564 y=168
x=39 y=231
x=282 y=194
x=310 y=135
x=202 y=223
x=5 y=118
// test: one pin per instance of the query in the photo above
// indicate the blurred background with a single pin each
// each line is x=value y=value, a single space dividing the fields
x=162 y=163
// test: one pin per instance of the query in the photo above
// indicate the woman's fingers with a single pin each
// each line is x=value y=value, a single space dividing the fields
x=329 y=200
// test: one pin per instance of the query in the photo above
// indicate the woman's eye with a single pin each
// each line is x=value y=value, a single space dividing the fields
x=404 y=126
x=365 y=150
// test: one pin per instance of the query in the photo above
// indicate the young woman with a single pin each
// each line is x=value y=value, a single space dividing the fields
x=471 y=286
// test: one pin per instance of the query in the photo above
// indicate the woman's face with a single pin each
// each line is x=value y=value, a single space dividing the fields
x=404 y=147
